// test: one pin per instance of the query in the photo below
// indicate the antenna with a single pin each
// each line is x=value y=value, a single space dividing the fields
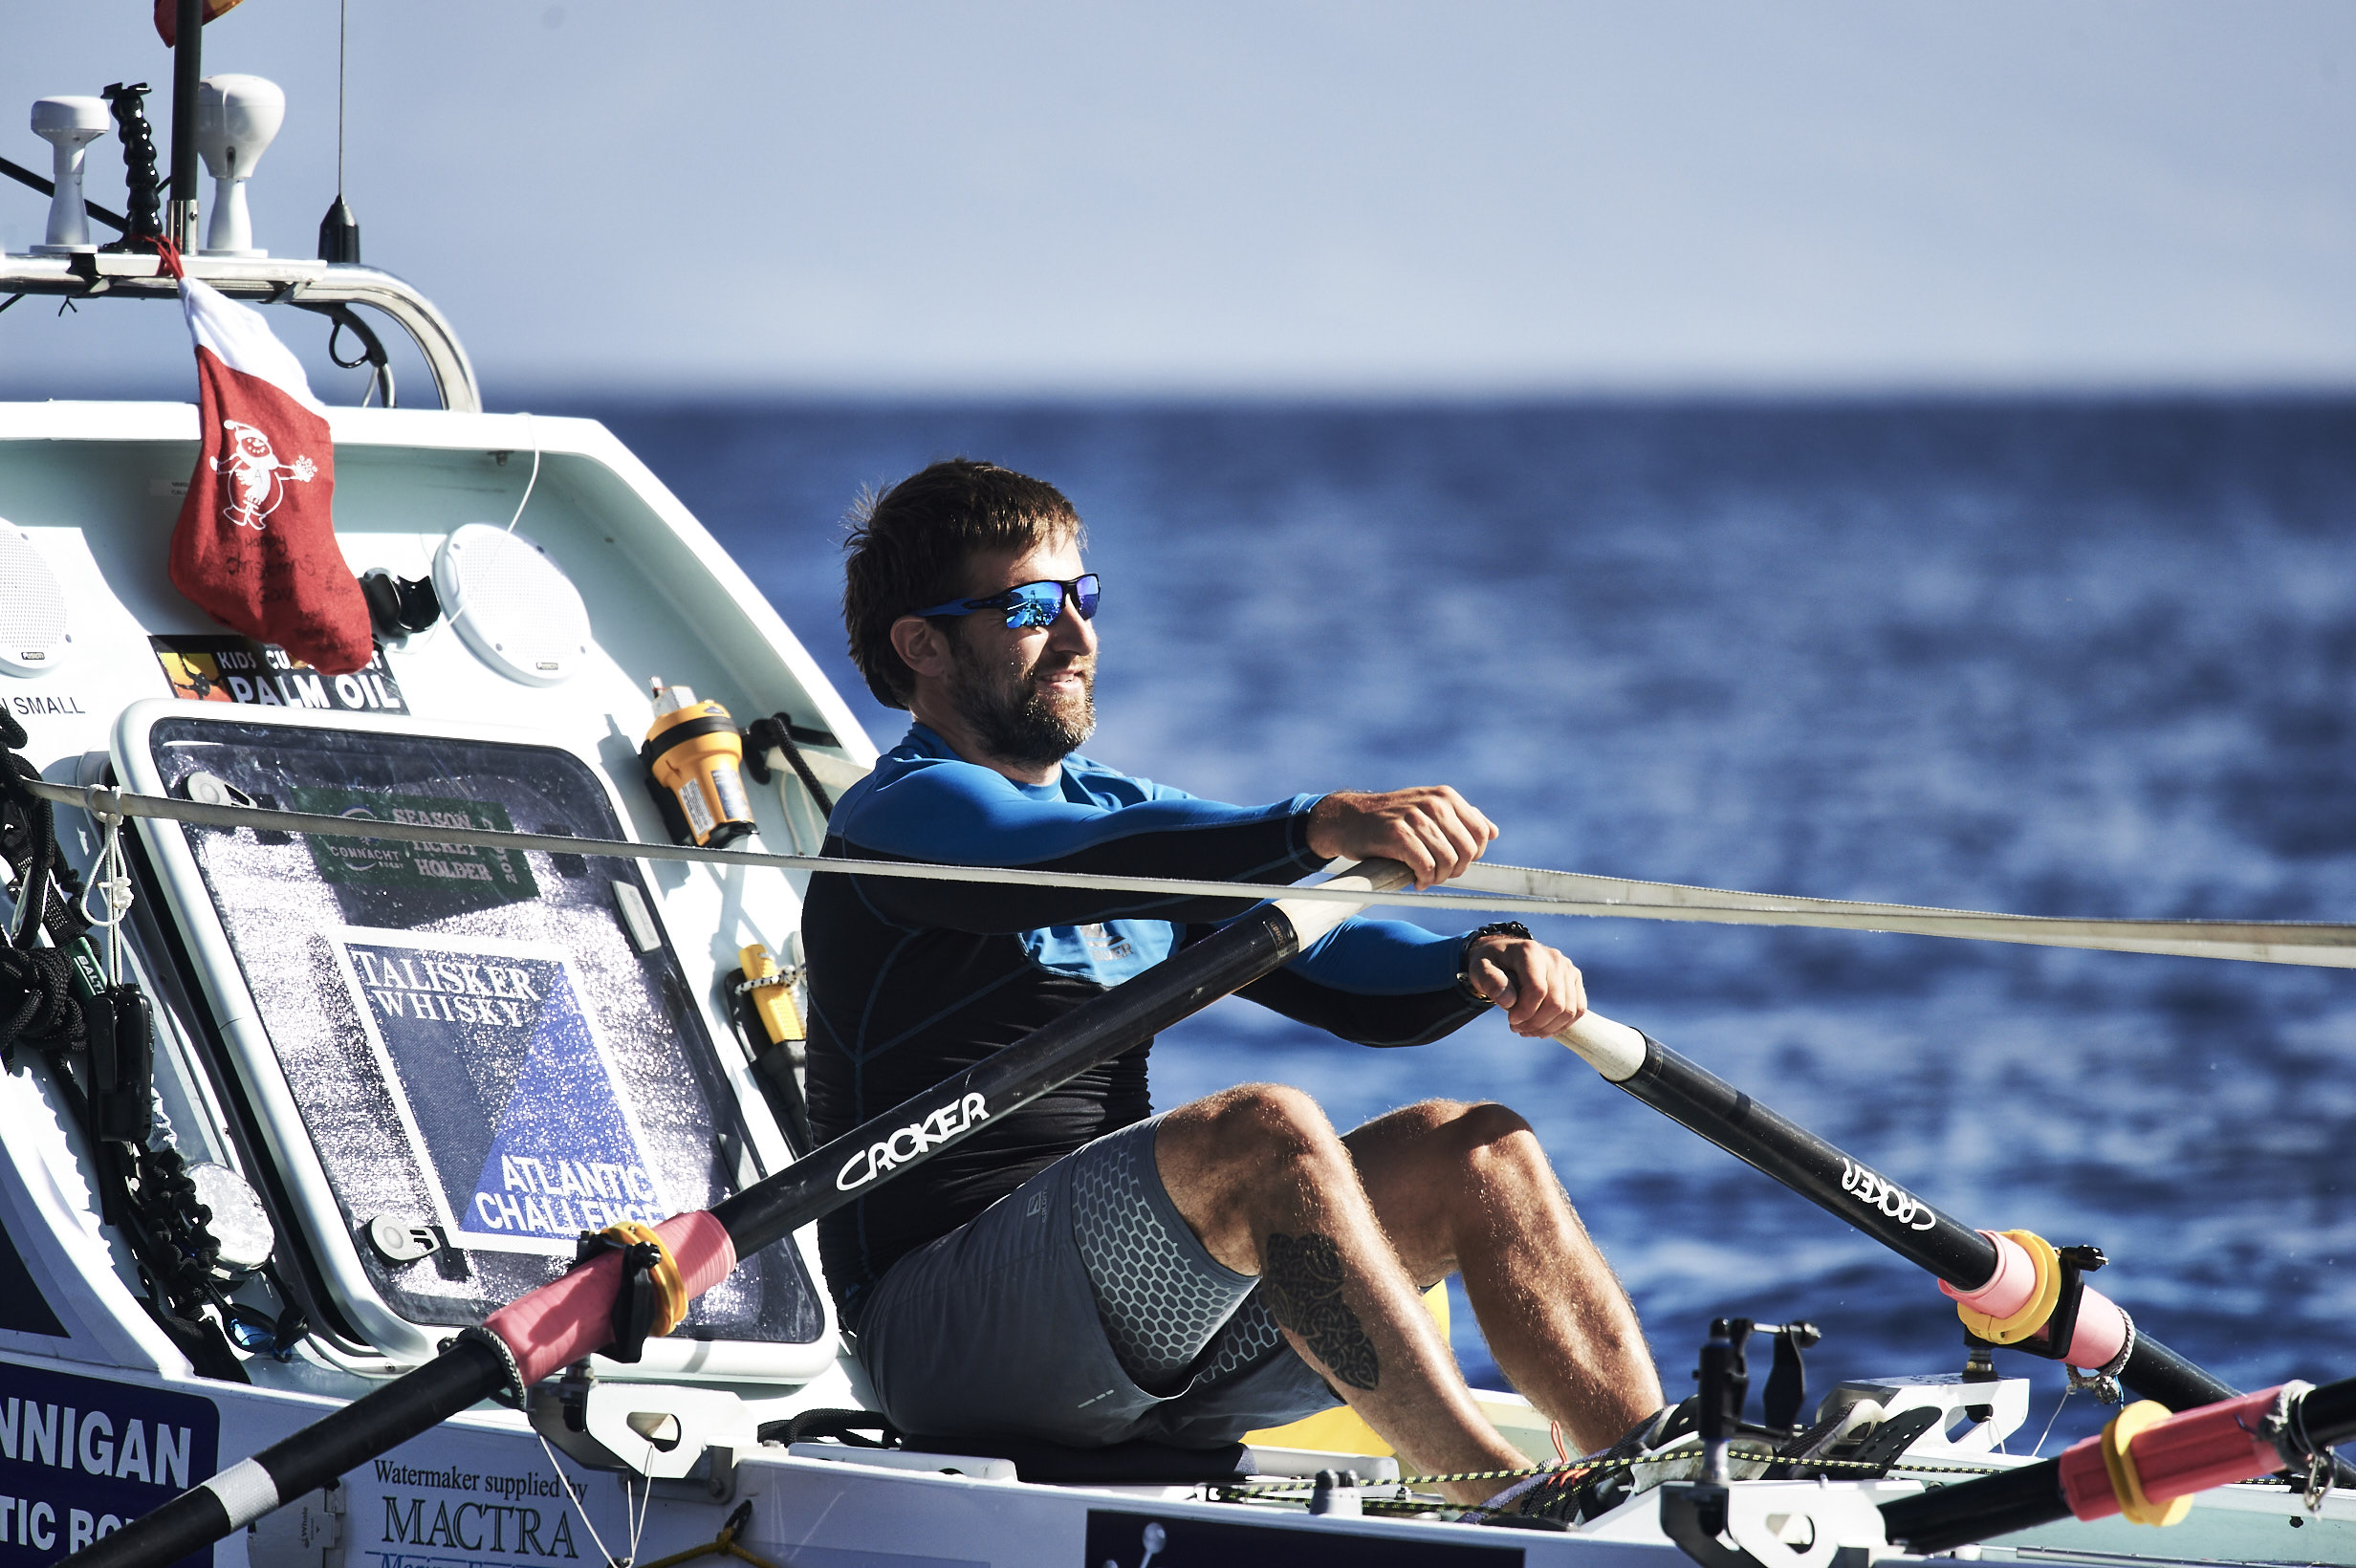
x=68 y=124
x=187 y=68
x=236 y=119
x=340 y=231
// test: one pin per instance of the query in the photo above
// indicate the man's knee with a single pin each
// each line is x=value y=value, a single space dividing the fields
x=1485 y=1138
x=1257 y=1125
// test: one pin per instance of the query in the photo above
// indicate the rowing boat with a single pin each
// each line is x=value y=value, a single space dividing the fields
x=281 y=1286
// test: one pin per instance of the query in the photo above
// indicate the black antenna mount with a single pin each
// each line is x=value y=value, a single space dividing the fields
x=139 y=160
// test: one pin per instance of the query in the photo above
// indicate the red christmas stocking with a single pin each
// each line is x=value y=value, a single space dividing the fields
x=257 y=544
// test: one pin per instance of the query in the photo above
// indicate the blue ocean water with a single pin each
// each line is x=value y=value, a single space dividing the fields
x=2051 y=657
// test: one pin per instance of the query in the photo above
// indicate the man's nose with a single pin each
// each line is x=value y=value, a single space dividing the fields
x=1071 y=632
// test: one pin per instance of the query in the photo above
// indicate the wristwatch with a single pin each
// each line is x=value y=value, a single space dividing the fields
x=1464 y=953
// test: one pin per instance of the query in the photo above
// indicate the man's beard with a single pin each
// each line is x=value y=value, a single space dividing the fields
x=1011 y=718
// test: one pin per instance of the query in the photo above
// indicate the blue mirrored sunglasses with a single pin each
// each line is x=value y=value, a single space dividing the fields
x=1029 y=605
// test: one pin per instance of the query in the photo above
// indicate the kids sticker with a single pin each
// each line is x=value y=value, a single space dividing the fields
x=214 y=668
x=513 y=1103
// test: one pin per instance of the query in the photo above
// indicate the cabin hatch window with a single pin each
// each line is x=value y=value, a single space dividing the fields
x=476 y=1041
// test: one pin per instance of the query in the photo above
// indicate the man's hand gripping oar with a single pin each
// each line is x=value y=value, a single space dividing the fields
x=2007 y=1286
x=548 y=1329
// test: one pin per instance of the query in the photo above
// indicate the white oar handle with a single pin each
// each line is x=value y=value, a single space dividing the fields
x=1612 y=1048
x=1312 y=921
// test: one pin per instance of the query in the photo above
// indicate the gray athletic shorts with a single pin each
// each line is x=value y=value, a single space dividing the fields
x=1008 y=1324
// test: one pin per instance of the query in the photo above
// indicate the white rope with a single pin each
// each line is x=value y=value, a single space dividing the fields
x=1485 y=889
x=112 y=877
x=564 y=1484
x=2265 y=942
x=532 y=481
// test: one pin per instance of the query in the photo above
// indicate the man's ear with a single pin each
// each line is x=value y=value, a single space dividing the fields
x=922 y=645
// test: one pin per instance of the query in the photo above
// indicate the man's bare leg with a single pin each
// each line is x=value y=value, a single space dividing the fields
x=1272 y=1189
x=1466 y=1189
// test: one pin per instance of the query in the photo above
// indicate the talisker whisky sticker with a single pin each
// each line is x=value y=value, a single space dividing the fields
x=501 y=1082
x=237 y=669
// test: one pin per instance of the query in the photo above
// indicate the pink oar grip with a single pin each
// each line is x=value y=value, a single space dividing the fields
x=566 y=1319
x=2101 y=1330
x=2102 y=1327
x=2206 y=1447
x=2210 y=1446
x=2085 y=1480
x=2009 y=1289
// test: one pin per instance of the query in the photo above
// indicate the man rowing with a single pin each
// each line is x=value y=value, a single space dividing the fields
x=1084 y=1271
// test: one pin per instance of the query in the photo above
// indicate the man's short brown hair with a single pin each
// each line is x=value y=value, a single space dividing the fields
x=909 y=547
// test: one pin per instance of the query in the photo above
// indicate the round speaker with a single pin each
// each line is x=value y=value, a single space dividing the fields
x=515 y=607
x=34 y=639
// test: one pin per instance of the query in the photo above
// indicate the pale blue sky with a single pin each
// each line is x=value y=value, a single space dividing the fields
x=1274 y=198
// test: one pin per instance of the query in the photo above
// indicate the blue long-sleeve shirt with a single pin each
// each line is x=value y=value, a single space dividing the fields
x=912 y=981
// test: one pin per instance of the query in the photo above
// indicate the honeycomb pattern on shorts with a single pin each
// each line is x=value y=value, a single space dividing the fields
x=1241 y=1341
x=1160 y=1297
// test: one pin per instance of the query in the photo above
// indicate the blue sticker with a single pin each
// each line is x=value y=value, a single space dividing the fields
x=509 y=1099
x=565 y=1158
x=82 y=1457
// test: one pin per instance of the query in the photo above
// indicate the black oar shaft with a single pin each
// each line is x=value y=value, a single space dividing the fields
x=1007 y=1080
x=1755 y=1134
x=414 y=1402
x=1946 y=1518
x=1697 y=1097
x=766 y=1213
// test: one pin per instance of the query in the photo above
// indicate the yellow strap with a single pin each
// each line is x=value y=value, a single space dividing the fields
x=664 y=1273
x=2033 y=1315
x=2119 y=1460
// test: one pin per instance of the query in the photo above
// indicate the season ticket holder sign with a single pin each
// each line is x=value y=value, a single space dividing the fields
x=392 y=863
x=215 y=668
x=511 y=1103
x=81 y=1457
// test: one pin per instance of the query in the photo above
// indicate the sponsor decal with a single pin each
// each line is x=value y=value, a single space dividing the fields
x=81 y=1457
x=507 y=1094
x=951 y=1121
x=448 y=1517
x=389 y=862
x=1877 y=1193
x=214 y=668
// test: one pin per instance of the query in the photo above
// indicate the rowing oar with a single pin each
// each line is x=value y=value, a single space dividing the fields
x=2146 y=1465
x=2007 y=1285
x=556 y=1325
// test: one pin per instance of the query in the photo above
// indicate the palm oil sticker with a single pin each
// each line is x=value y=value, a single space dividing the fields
x=222 y=669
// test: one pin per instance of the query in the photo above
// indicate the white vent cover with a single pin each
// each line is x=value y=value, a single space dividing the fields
x=34 y=639
x=515 y=607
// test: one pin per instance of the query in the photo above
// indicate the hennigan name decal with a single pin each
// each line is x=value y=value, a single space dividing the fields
x=81 y=1457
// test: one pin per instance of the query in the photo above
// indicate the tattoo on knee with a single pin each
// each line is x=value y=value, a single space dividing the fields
x=1304 y=1277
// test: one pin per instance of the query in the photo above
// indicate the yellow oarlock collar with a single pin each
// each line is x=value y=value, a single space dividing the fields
x=664 y=1273
x=2125 y=1484
x=2037 y=1311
